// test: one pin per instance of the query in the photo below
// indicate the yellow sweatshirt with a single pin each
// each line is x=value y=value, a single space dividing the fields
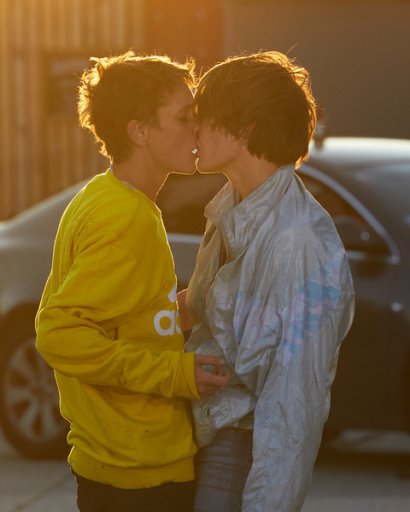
x=108 y=324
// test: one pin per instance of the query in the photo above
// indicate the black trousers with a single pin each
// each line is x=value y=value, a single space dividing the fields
x=96 y=497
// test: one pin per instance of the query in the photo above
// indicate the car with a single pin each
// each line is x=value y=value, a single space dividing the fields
x=365 y=186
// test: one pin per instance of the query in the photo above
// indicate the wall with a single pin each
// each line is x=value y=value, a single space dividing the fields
x=357 y=52
x=44 y=44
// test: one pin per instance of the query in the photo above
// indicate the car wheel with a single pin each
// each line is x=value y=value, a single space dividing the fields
x=29 y=405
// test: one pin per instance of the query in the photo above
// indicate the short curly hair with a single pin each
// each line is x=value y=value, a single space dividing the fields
x=121 y=88
x=266 y=99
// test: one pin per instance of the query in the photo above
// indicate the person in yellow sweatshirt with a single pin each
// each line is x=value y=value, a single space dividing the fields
x=108 y=321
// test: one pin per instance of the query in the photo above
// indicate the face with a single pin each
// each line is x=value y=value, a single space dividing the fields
x=173 y=138
x=218 y=151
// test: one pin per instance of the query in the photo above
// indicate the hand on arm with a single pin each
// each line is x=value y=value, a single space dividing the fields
x=73 y=325
x=209 y=382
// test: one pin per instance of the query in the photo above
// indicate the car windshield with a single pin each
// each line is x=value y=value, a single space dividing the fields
x=390 y=189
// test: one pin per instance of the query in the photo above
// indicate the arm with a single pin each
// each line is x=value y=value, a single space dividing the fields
x=186 y=323
x=270 y=327
x=74 y=320
x=294 y=401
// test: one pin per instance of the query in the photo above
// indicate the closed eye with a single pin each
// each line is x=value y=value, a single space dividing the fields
x=188 y=114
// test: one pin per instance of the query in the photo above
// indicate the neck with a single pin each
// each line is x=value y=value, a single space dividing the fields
x=251 y=173
x=142 y=177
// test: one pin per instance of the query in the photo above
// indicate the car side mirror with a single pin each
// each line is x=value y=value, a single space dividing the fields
x=357 y=236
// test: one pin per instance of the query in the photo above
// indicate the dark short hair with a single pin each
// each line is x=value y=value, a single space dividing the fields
x=266 y=99
x=125 y=87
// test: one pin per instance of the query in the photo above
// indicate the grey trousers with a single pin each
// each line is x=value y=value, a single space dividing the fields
x=221 y=471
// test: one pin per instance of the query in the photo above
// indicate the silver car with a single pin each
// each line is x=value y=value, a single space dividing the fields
x=365 y=186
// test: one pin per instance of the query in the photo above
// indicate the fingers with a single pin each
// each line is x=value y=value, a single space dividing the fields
x=209 y=384
x=210 y=374
x=209 y=360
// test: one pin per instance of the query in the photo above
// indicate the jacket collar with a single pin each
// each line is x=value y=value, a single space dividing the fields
x=238 y=221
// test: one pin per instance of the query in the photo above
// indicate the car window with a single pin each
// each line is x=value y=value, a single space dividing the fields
x=355 y=232
x=388 y=187
x=183 y=198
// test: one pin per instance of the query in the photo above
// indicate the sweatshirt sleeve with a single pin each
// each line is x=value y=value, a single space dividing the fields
x=103 y=284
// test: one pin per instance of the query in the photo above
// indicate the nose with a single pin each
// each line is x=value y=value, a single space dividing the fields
x=196 y=133
x=196 y=128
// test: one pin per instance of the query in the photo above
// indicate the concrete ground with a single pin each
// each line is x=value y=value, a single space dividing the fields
x=360 y=473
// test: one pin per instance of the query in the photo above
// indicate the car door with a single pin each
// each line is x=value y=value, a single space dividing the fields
x=182 y=201
x=366 y=390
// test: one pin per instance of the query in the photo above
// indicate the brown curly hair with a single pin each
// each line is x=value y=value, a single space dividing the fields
x=264 y=98
x=121 y=88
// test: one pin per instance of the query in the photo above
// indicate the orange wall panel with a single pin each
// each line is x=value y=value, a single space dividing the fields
x=184 y=28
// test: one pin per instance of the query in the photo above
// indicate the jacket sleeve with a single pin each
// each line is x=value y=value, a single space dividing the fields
x=269 y=335
x=73 y=325
x=294 y=390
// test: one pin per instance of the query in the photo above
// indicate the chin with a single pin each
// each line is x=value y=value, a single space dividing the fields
x=187 y=172
x=207 y=170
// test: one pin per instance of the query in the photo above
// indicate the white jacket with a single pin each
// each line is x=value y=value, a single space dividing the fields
x=272 y=293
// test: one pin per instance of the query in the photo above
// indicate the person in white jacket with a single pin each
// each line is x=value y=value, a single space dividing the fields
x=271 y=292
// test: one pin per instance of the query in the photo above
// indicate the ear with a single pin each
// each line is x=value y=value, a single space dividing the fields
x=244 y=135
x=137 y=132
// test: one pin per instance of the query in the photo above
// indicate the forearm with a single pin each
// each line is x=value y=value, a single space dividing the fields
x=80 y=349
x=186 y=322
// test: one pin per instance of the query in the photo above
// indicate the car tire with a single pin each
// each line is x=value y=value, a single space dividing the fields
x=29 y=404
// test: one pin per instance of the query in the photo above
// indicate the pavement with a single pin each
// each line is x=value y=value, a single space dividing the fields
x=358 y=473
x=34 y=486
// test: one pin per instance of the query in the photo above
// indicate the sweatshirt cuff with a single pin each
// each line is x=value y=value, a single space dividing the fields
x=187 y=388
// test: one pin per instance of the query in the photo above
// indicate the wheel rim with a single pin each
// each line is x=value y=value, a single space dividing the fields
x=31 y=398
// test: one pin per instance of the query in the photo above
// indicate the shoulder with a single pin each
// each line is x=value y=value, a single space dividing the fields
x=104 y=207
x=300 y=241
x=110 y=204
x=303 y=223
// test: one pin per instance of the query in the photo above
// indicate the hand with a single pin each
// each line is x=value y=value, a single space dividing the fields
x=209 y=382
